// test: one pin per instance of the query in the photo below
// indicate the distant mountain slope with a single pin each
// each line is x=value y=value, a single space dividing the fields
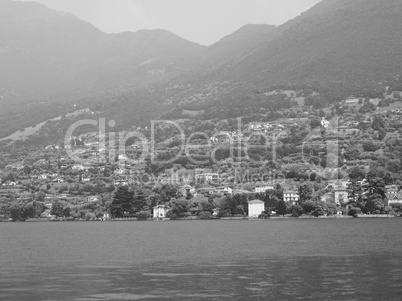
x=246 y=38
x=338 y=47
x=44 y=53
x=338 y=44
x=41 y=50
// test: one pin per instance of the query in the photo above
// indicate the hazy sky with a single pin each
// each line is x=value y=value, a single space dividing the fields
x=201 y=21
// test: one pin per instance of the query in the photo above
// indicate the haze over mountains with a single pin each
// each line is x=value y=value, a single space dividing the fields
x=338 y=46
x=45 y=53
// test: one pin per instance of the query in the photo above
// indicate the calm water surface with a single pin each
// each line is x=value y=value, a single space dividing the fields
x=354 y=259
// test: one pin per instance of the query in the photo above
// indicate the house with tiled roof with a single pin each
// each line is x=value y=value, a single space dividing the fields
x=393 y=194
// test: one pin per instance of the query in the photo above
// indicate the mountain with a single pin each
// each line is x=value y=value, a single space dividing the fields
x=338 y=44
x=246 y=38
x=47 y=53
x=337 y=48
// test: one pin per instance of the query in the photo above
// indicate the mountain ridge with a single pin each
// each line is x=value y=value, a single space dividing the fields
x=337 y=48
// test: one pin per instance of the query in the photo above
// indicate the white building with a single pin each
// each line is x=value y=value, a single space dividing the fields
x=224 y=190
x=160 y=211
x=211 y=178
x=255 y=208
x=119 y=183
x=43 y=177
x=85 y=179
x=261 y=188
x=325 y=123
x=291 y=196
x=78 y=167
x=91 y=199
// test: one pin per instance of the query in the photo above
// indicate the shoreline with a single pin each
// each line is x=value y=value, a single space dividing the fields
x=360 y=216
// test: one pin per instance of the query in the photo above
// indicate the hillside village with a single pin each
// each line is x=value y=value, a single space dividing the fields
x=287 y=161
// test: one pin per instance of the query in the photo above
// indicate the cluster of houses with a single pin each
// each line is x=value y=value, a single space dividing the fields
x=266 y=127
x=393 y=194
x=225 y=136
x=257 y=207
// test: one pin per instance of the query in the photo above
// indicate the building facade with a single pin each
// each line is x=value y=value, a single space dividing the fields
x=261 y=188
x=291 y=196
x=255 y=208
x=160 y=211
x=341 y=195
x=393 y=195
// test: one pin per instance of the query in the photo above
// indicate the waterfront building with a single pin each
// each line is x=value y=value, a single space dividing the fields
x=291 y=196
x=255 y=208
x=160 y=211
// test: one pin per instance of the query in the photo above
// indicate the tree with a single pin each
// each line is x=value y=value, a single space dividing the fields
x=139 y=202
x=15 y=212
x=315 y=122
x=38 y=208
x=374 y=205
x=57 y=209
x=179 y=208
x=330 y=208
x=143 y=215
x=207 y=206
x=319 y=211
x=281 y=208
x=354 y=192
x=354 y=211
x=230 y=205
x=305 y=193
x=308 y=206
x=40 y=196
x=313 y=177
x=205 y=215
x=369 y=146
x=357 y=174
x=241 y=202
x=27 y=211
x=122 y=204
x=271 y=201
x=27 y=170
x=378 y=123
x=375 y=182
x=66 y=211
x=393 y=166
x=295 y=210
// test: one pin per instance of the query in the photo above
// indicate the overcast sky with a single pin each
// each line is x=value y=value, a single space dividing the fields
x=201 y=21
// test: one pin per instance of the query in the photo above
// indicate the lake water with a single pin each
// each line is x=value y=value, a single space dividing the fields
x=305 y=259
